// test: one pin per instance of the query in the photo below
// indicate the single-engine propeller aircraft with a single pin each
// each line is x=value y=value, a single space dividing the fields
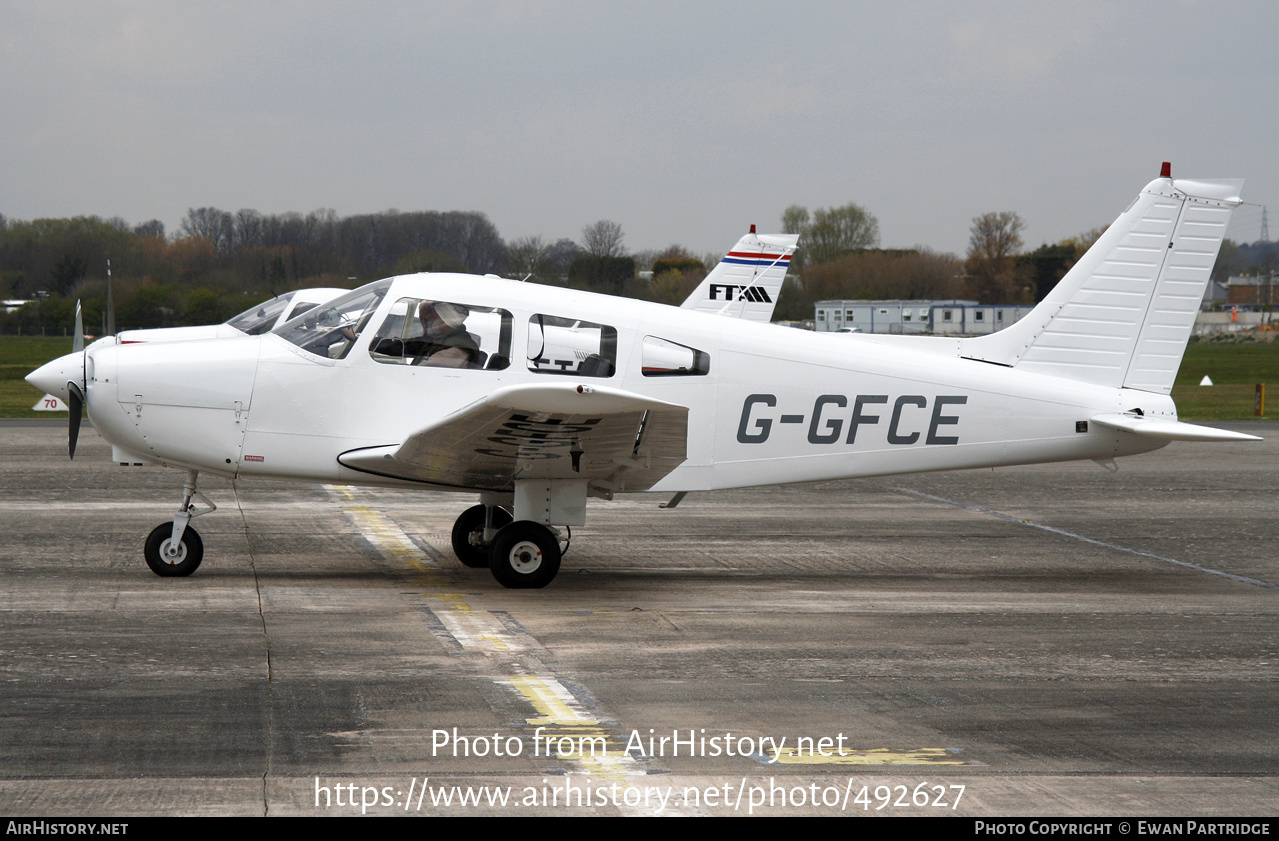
x=538 y=398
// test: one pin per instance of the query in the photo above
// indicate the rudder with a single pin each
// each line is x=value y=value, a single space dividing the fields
x=1123 y=314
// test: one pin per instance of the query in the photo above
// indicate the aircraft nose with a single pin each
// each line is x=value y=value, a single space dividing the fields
x=52 y=377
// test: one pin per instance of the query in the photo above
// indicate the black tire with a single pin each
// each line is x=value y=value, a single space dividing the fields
x=189 y=556
x=468 y=534
x=525 y=555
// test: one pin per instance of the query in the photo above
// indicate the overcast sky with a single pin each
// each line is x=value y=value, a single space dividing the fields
x=684 y=122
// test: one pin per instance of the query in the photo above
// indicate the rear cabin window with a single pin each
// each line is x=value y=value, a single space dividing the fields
x=443 y=334
x=558 y=345
x=664 y=358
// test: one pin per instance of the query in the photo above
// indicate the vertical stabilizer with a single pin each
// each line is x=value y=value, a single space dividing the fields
x=1123 y=314
x=747 y=281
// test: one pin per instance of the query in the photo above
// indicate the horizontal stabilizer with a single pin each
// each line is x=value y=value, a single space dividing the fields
x=1168 y=430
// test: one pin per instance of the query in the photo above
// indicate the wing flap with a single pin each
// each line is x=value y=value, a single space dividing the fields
x=617 y=439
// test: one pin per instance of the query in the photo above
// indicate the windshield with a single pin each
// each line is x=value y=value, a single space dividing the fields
x=259 y=319
x=331 y=329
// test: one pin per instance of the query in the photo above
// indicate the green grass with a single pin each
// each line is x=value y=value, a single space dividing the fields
x=1234 y=366
x=19 y=356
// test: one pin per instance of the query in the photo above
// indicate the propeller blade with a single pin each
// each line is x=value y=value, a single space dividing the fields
x=110 y=303
x=75 y=402
x=78 y=344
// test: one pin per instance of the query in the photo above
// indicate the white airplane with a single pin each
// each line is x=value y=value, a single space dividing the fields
x=538 y=398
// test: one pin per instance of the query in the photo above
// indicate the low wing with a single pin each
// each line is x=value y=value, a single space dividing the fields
x=1168 y=430
x=616 y=439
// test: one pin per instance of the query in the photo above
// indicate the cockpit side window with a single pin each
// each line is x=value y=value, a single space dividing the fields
x=443 y=334
x=330 y=330
x=558 y=345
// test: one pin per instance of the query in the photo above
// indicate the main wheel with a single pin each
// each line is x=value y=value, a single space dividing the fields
x=525 y=555
x=468 y=535
x=190 y=552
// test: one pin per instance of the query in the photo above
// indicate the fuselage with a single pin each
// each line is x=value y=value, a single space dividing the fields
x=767 y=404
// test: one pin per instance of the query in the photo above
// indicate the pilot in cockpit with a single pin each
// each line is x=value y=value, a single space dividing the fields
x=445 y=342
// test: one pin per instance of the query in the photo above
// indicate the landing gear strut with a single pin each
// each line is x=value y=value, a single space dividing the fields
x=474 y=532
x=175 y=549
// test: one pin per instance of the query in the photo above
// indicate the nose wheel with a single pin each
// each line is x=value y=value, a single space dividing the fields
x=525 y=555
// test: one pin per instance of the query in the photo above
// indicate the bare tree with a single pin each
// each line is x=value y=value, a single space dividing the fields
x=995 y=236
x=560 y=256
x=153 y=228
x=795 y=220
x=603 y=239
x=839 y=230
x=249 y=228
x=830 y=232
x=217 y=226
x=526 y=257
x=993 y=244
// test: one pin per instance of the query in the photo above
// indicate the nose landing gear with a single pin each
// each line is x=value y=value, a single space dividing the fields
x=175 y=549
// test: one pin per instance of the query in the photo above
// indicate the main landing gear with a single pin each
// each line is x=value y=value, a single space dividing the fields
x=174 y=549
x=521 y=555
x=474 y=531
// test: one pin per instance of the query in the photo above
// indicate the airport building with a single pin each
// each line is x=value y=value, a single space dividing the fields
x=954 y=317
x=1253 y=290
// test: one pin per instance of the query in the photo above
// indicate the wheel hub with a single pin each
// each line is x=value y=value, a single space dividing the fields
x=526 y=557
x=173 y=555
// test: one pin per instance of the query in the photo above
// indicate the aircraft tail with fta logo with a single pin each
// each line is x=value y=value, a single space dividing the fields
x=1123 y=314
x=747 y=281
